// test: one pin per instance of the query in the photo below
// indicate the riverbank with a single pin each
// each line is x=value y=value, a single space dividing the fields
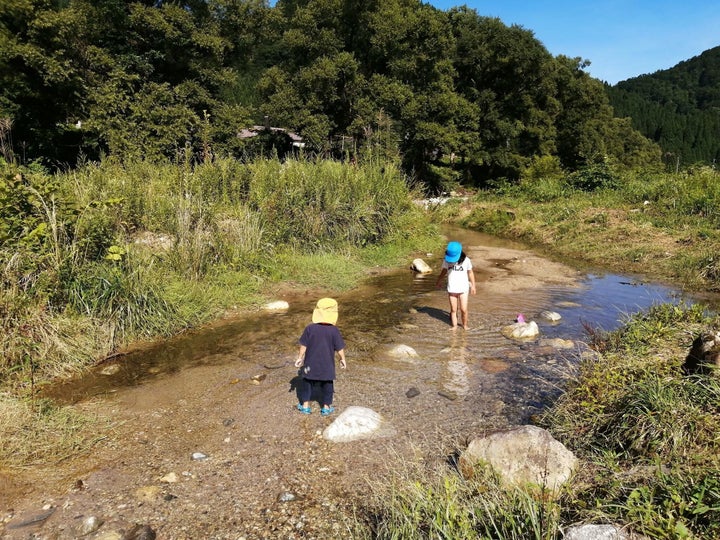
x=658 y=225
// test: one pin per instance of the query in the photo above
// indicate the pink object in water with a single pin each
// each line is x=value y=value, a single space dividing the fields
x=521 y=318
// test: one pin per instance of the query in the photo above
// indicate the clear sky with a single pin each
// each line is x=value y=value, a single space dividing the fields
x=621 y=38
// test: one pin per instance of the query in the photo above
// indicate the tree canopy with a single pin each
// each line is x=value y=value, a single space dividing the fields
x=452 y=95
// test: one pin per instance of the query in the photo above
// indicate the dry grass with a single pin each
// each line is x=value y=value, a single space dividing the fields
x=35 y=433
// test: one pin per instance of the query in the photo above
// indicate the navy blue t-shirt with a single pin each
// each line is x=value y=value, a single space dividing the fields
x=321 y=340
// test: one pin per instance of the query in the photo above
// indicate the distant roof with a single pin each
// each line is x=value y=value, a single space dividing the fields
x=247 y=133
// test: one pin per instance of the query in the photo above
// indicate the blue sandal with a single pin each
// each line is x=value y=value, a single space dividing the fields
x=304 y=410
x=326 y=411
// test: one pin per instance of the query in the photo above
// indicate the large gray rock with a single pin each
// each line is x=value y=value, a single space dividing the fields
x=355 y=423
x=521 y=456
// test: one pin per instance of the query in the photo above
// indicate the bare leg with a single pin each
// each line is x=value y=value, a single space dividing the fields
x=464 y=309
x=453 y=310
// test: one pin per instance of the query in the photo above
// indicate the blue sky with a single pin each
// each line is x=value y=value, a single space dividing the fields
x=621 y=38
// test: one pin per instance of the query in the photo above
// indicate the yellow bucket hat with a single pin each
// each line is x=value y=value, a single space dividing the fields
x=326 y=311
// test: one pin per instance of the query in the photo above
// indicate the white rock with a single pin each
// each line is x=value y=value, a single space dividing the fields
x=277 y=305
x=551 y=316
x=521 y=330
x=420 y=266
x=354 y=423
x=595 y=532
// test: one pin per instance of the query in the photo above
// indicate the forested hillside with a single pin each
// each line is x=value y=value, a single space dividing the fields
x=452 y=95
x=679 y=108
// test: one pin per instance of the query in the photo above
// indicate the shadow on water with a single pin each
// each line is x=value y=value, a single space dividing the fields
x=406 y=307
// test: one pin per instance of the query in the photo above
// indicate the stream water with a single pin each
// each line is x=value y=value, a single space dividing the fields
x=478 y=366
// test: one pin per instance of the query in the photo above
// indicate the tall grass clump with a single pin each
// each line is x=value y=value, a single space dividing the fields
x=327 y=204
x=647 y=432
x=443 y=504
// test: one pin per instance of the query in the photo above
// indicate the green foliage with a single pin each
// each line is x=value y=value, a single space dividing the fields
x=488 y=219
x=593 y=177
x=328 y=204
x=434 y=90
x=677 y=108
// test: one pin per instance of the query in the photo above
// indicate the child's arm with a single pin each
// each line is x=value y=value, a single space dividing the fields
x=301 y=356
x=471 y=277
x=343 y=364
x=442 y=275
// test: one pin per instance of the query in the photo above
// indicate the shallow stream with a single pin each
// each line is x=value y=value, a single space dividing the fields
x=478 y=366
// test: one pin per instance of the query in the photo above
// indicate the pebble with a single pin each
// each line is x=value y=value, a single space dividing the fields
x=412 y=392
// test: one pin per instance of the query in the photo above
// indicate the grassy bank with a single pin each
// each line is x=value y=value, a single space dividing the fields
x=646 y=433
x=661 y=225
x=108 y=254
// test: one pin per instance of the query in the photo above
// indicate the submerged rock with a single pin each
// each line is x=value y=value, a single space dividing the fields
x=403 y=352
x=521 y=330
x=551 y=316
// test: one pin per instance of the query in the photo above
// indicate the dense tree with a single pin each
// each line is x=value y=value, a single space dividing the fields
x=453 y=95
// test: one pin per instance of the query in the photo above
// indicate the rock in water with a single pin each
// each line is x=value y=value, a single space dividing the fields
x=420 y=266
x=521 y=330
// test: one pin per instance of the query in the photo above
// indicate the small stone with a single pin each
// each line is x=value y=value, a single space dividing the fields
x=452 y=396
x=112 y=369
x=140 y=532
x=89 y=525
x=170 y=478
x=199 y=456
x=412 y=392
x=286 y=496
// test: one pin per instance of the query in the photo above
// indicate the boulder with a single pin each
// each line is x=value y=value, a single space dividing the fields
x=526 y=455
x=420 y=266
x=355 y=423
x=521 y=330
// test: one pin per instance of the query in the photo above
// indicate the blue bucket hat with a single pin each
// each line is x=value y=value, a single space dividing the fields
x=452 y=253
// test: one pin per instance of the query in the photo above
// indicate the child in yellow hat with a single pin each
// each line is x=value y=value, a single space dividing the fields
x=318 y=344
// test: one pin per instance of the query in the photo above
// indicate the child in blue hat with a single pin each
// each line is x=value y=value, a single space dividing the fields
x=460 y=282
